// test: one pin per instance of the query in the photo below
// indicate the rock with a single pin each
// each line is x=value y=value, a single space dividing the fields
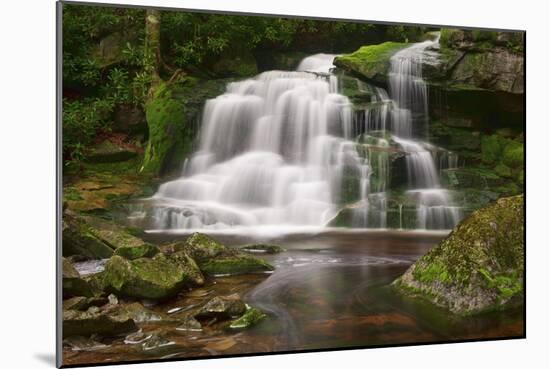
x=83 y=303
x=222 y=307
x=79 y=343
x=189 y=323
x=129 y=119
x=263 y=248
x=234 y=265
x=72 y=284
x=215 y=259
x=109 y=152
x=150 y=278
x=99 y=239
x=79 y=239
x=96 y=321
x=251 y=317
x=478 y=267
x=138 y=313
x=109 y=51
x=139 y=251
x=370 y=62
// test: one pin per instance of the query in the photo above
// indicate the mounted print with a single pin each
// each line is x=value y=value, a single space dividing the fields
x=239 y=184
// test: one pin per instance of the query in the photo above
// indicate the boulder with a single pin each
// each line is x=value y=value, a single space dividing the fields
x=370 y=62
x=72 y=284
x=83 y=303
x=222 y=307
x=79 y=239
x=151 y=278
x=478 y=267
x=215 y=259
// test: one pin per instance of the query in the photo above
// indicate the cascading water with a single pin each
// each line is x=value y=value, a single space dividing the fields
x=285 y=149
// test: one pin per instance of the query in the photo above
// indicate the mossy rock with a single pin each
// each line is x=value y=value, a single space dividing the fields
x=73 y=284
x=370 y=62
x=478 y=267
x=231 y=64
x=79 y=239
x=136 y=252
x=215 y=259
x=151 y=278
x=222 y=307
x=251 y=317
x=234 y=265
x=83 y=303
x=104 y=322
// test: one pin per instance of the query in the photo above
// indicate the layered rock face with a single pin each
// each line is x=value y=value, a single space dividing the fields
x=478 y=267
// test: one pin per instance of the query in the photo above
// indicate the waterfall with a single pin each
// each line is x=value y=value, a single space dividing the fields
x=273 y=151
x=286 y=149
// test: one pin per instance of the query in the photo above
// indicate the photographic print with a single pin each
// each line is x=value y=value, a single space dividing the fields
x=241 y=184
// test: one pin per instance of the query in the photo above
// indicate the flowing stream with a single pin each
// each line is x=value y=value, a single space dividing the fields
x=284 y=150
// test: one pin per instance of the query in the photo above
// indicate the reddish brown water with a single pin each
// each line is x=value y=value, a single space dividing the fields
x=328 y=291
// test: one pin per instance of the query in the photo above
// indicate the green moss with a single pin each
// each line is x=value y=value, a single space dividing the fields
x=371 y=62
x=435 y=271
x=503 y=171
x=513 y=155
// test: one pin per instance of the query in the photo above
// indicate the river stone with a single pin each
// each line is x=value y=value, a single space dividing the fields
x=478 y=267
x=72 y=284
x=251 y=317
x=222 y=307
x=150 y=278
x=139 y=251
x=83 y=303
x=234 y=265
x=96 y=321
x=200 y=247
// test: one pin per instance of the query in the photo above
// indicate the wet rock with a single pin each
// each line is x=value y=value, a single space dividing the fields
x=149 y=278
x=138 y=313
x=251 y=317
x=222 y=307
x=72 y=284
x=234 y=265
x=263 y=248
x=156 y=342
x=215 y=259
x=137 y=338
x=478 y=267
x=83 y=303
x=190 y=324
x=96 y=321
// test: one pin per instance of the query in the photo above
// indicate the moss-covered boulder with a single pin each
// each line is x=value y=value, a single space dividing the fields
x=215 y=259
x=72 y=283
x=80 y=239
x=251 y=317
x=371 y=62
x=104 y=322
x=152 y=278
x=478 y=267
x=97 y=238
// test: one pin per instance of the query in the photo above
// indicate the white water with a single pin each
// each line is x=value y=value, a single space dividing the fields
x=276 y=151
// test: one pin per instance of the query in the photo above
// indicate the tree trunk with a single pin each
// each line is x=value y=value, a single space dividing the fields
x=152 y=55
